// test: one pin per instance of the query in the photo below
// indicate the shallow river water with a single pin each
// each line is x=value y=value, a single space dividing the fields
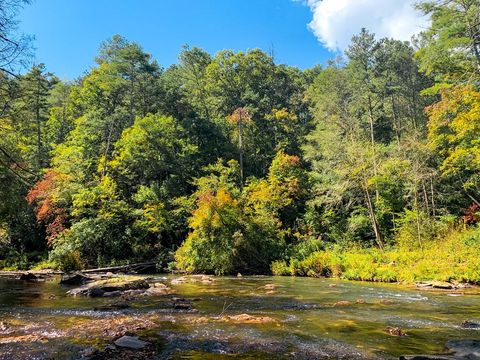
x=39 y=321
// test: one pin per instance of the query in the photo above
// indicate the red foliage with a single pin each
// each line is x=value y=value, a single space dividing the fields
x=471 y=216
x=46 y=210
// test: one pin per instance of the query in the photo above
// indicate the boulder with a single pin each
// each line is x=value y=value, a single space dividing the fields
x=111 y=287
x=156 y=291
x=75 y=279
x=130 y=342
x=28 y=277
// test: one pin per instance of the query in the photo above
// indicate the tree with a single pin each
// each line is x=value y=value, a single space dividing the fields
x=450 y=47
x=244 y=229
x=453 y=135
x=35 y=87
x=13 y=47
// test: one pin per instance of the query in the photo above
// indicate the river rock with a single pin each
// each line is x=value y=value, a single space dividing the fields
x=181 y=304
x=113 y=307
x=270 y=287
x=386 y=302
x=157 y=291
x=395 y=331
x=130 y=342
x=112 y=293
x=248 y=319
x=204 y=279
x=28 y=277
x=180 y=280
x=101 y=287
x=459 y=349
x=426 y=357
x=75 y=279
x=435 y=285
x=468 y=349
x=94 y=292
x=471 y=324
x=342 y=303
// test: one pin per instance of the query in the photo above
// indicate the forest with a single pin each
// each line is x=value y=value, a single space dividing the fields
x=367 y=168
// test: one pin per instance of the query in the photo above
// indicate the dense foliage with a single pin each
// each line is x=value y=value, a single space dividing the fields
x=231 y=163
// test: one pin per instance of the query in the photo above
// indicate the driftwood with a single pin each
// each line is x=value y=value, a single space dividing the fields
x=23 y=274
x=140 y=268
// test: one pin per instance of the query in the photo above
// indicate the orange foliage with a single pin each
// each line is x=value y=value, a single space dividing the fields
x=239 y=114
x=47 y=211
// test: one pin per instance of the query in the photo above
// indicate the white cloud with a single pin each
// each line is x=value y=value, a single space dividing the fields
x=336 y=21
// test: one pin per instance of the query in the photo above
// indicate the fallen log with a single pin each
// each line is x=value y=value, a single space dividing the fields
x=17 y=274
x=139 y=268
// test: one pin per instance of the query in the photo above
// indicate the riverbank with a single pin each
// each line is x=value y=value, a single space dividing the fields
x=454 y=259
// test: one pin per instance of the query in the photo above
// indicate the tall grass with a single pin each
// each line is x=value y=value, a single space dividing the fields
x=453 y=257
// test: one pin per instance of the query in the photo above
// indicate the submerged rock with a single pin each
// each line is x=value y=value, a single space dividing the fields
x=386 y=302
x=204 y=279
x=270 y=287
x=181 y=304
x=248 y=319
x=112 y=307
x=468 y=349
x=459 y=350
x=130 y=342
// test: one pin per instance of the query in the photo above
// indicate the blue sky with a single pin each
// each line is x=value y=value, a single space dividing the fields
x=302 y=33
x=68 y=32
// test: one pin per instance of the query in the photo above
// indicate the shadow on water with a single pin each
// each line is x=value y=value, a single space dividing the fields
x=38 y=320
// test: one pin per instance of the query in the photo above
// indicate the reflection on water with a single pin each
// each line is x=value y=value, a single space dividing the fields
x=38 y=319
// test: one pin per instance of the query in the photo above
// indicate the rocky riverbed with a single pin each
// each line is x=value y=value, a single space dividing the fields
x=105 y=316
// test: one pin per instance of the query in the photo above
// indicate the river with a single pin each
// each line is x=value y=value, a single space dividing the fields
x=39 y=321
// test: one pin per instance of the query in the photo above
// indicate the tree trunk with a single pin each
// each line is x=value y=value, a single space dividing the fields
x=373 y=218
x=372 y=139
x=240 y=146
